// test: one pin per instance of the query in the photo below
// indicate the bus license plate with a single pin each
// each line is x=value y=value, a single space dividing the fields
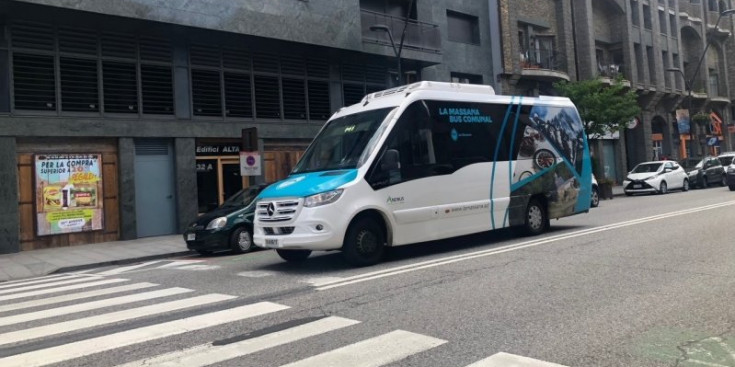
x=191 y=236
x=271 y=242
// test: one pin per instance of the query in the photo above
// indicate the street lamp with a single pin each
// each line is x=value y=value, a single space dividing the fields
x=690 y=84
x=397 y=51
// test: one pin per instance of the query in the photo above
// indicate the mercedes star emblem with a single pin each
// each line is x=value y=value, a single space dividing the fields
x=271 y=209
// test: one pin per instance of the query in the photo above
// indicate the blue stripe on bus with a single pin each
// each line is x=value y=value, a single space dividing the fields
x=495 y=160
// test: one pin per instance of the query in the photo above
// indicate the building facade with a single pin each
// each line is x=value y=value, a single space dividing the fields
x=642 y=41
x=121 y=120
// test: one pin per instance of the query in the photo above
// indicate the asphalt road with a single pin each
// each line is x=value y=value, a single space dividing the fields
x=639 y=281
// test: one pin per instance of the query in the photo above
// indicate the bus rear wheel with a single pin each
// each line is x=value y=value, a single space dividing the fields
x=536 y=220
x=364 y=243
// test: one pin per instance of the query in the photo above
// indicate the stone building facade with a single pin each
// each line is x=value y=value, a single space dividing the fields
x=546 y=41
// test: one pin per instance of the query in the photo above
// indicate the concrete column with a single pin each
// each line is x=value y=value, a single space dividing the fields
x=186 y=181
x=126 y=166
x=9 y=216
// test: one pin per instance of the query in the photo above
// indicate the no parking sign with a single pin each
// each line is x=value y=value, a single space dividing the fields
x=249 y=163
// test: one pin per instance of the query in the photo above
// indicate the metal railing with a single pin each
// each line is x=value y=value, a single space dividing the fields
x=542 y=59
x=420 y=36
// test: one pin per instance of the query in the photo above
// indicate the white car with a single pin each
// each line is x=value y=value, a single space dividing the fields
x=655 y=177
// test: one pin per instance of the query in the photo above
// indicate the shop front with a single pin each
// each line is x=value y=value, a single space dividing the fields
x=218 y=172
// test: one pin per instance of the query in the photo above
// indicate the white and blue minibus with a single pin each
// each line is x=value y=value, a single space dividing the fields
x=428 y=161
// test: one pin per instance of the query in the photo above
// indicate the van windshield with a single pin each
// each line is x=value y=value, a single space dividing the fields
x=342 y=142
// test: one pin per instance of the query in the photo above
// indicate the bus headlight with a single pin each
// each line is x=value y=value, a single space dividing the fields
x=322 y=198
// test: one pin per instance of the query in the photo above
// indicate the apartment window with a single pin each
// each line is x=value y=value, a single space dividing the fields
x=672 y=26
x=120 y=87
x=466 y=78
x=712 y=5
x=647 y=17
x=34 y=82
x=79 y=91
x=714 y=82
x=651 y=65
x=634 y=13
x=667 y=75
x=676 y=64
x=662 y=22
x=157 y=85
x=639 y=62
x=359 y=80
x=463 y=28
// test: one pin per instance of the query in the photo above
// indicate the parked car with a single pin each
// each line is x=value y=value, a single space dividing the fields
x=228 y=227
x=655 y=177
x=705 y=171
x=726 y=159
x=730 y=175
x=595 y=201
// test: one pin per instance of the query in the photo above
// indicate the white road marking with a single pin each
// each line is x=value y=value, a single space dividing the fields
x=208 y=354
x=83 y=348
x=60 y=289
x=374 y=352
x=175 y=263
x=197 y=267
x=511 y=360
x=80 y=307
x=37 y=280
x=47 y=277
x=128 y=268
x=49 y=284
x=109 y=318
x=75 y=296
x=256 y=274
x=318 y=281
x=494 y=251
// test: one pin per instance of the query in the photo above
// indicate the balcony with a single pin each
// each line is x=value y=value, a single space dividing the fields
x=420 y=36
x=545 y=65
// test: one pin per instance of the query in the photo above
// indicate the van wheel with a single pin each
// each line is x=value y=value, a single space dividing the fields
x=364 y=243
x=294 y=256
x=536 y=219
x=241 y=240
x=595 y=197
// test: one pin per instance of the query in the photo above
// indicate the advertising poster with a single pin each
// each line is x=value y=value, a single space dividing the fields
x=68 y=193
x=682 y=121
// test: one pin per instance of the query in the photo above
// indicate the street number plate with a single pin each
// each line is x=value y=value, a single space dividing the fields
x=271 y=242
x=191 y=236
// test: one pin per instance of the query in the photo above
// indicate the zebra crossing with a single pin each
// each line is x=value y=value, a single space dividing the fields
x=64 y=318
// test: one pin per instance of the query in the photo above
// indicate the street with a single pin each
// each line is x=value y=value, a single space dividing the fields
x=640 y=281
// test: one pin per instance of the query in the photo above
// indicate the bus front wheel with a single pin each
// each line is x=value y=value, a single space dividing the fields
x=364 y=243
x=536 y=219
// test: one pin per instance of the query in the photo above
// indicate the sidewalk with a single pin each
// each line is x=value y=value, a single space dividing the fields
x=27 y=264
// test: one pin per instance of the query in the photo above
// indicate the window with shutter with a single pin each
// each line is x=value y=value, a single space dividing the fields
x=157 y=87
x=318 y=92
x=120 y=87
x=238 y=95
x=294 y=98
x=267 y=97
x=352 y=93
x=206 y=92
x=34 y=82
x=79 y=91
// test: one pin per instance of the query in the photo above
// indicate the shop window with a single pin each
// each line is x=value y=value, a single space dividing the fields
x=463 y=28
x=157 y=83
x=294 y=99
x=120 y=87
x=79 y=87
x=352 y=93
x=238 y=95
x=267 y=97
x=318 y=100
x=206 y=93
x=34 y=82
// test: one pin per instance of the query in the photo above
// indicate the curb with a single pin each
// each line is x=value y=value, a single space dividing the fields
x=118 y=262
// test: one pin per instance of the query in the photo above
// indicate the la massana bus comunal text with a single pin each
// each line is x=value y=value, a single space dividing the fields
x=428 y=161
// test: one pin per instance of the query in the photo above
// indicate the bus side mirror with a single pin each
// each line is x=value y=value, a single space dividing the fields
x=391 y=160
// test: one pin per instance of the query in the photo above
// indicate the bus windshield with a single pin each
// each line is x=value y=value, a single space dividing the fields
x=342 y=142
